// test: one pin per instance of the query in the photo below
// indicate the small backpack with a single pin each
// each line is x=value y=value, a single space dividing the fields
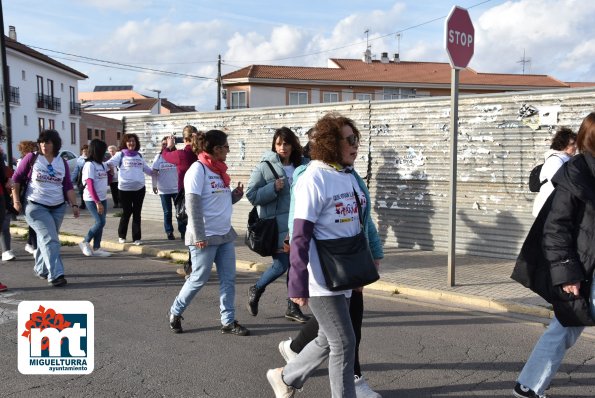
x=534 y=182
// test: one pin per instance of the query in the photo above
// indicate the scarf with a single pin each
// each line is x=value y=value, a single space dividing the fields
x=216 y=166
x=128 y=152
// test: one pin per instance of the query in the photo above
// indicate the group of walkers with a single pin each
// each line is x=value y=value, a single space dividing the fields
x=314 y=194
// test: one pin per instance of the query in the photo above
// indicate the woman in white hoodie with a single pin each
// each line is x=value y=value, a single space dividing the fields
x=562 y=149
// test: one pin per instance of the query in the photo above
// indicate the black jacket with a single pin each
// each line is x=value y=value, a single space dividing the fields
x=560 y=247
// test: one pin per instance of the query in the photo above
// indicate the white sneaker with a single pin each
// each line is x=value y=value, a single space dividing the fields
x=286 y=352
x=8 y=255
x=363 y=390
x=86 y=249
x=121 y=240
x=281 y=389
x=138 y=242
x=29 y=249
x=101 y=253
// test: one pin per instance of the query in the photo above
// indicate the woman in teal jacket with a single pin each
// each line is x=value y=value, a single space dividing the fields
x=272 y=196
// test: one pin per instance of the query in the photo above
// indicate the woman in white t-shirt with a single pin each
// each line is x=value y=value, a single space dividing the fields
x=94 y=180
x=165 y=183
x=325 y=207
x=563 y=147
x=209 y=234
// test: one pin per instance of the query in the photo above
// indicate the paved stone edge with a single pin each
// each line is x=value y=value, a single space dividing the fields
x=388 y=287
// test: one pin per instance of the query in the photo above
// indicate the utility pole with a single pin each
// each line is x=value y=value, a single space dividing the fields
x=6 y=92
x=524 y=61
x=219 y=83
x=158 y=100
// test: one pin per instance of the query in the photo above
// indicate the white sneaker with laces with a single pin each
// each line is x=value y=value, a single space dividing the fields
x=101 y=253
x=286 y=352
x=121 y=240
x=363 y=390
x=282 y=390
x=8 y=255
x=86 y=249
x=138 y=242
x=29 y=249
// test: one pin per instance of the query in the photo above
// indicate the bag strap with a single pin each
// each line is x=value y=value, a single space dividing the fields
x=32 y=161
x=272 y=169
x=359 y=209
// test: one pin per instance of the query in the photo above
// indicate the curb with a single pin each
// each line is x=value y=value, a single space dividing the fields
x=382 y=286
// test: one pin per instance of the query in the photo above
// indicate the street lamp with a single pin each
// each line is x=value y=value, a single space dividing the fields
x=158 y=100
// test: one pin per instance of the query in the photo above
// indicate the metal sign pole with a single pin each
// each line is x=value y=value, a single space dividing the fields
x=452 y=213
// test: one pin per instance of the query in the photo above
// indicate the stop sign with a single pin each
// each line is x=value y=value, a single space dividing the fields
x=459 y=37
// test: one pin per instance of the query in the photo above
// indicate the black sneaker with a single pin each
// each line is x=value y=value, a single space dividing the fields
x=235 y=328
x=294 y=313
x=59 y=281
x=254 y=294
x=175 y=323
x=520 y=391
x=171 y=236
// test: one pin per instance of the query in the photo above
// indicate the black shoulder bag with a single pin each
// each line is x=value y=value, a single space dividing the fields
x=262 y=233
x=347 y=263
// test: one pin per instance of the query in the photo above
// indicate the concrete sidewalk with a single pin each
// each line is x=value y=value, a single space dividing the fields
x=480 y=281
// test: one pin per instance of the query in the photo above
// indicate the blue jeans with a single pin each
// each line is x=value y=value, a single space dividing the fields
x=46 y=224
x=96 y=231
x=224 y=256
x=279 y=267
x=166 y=203
x=335 y=341
x=547 y=355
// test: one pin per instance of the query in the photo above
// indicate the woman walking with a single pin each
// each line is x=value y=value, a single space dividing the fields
x=49 y=189
x=131 y=184
x=328 y=198
x=25 y=147
x=165 y=183
x=94 y=179
x=269 y=189
x=210 y=236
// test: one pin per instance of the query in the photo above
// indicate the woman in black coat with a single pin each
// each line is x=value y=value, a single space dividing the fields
x=568 y=256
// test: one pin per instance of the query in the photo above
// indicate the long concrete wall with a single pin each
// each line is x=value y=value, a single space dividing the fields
x=405 y=153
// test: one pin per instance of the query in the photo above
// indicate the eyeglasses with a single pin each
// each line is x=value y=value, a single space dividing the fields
x=351 y=140
x=51 y=170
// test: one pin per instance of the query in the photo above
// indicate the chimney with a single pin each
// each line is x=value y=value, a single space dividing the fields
x=384 y=58
x=396 y=58
x=12 y=33
x=367 y=58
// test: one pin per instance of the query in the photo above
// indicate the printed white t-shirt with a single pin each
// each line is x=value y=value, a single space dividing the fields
x=45 y=186
x=167 y=179
x=216 y=198
x=325 y=197
x=98 y=173
x=289 y=169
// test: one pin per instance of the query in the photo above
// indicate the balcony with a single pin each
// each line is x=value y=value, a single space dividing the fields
x=14 y=97
x=75 y=108
x=50 y=103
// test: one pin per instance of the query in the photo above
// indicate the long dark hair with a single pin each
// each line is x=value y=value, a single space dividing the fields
x=586 y=135
x=96 y=151
x=289 y=136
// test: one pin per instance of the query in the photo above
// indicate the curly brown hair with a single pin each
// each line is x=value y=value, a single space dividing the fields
x=325 y=143
x=586 y=135
x=126 y=137
x=206 y=142
x=25 y=147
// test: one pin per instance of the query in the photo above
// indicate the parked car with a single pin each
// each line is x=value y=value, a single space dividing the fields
x=70 y=159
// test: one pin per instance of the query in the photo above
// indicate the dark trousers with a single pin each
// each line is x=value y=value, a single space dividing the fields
x=132 y=204
x=309 y=331
x=115 y=193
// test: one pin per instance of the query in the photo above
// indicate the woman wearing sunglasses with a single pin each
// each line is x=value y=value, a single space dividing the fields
x=49 y=188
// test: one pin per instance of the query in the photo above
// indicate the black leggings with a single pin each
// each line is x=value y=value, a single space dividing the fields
x=309 y=331
x=132 y=204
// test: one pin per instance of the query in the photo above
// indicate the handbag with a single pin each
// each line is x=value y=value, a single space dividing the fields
x=262 y=234
x=347 y=263
x=180 y=206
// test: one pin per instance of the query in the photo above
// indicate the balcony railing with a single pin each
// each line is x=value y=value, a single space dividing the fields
x=14 y=97
x=75 y=108
x=49 y=103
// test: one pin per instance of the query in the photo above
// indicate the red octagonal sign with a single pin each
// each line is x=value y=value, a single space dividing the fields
x=459 y=37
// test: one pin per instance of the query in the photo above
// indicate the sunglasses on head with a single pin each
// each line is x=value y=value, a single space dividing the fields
x=352 y=140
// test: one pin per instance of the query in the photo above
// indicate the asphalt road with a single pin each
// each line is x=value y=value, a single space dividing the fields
x=409 y=349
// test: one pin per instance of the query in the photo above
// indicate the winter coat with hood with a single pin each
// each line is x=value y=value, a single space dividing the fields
x=560 y=247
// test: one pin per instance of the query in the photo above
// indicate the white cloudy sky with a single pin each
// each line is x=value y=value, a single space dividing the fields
x=186 y=36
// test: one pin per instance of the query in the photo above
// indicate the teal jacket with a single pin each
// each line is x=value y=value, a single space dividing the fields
x=369 y=228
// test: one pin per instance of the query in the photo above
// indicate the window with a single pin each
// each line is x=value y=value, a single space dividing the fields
x=89 y=134
x=23 y=75
x=96 y=132
x=62 y=87
x=72 y=97
x=41 y=122
x=25 y=121
x=330 y=97
x=298 y=98
x=398 y=93
x=238 y=100
x=73 y=133
x=40 y=85
x=363 y=97
x=51 y=124
x=118 y=136
x=102 y=135
x=62 y=124
x=51 y=88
